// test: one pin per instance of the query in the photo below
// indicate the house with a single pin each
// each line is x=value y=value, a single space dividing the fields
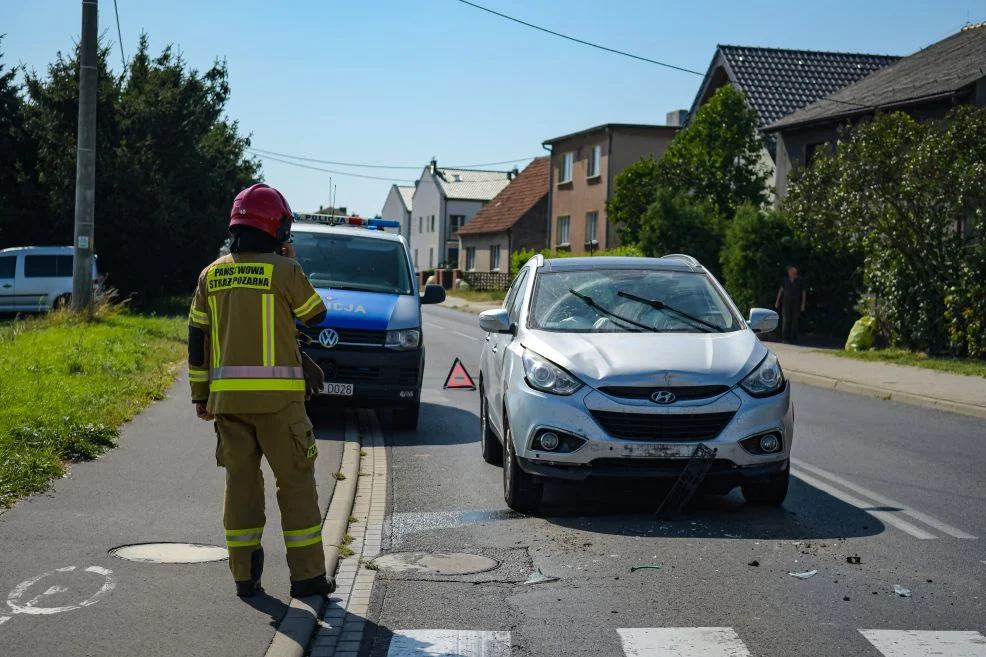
x=514 y=220
x=927 y=85
x=445 y=200
x=778 y=82
x=583 y=166
x=398 y=206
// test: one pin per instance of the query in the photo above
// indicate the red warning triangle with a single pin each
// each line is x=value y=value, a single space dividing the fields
x=458 y=377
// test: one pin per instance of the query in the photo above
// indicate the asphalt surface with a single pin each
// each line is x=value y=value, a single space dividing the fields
x=160 y=485
x=900 y=487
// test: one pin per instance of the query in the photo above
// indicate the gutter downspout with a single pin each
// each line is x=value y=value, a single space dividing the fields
x=551 y=190
x=609 y=181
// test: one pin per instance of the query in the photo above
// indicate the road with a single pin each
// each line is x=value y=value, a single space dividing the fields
x=900 y=487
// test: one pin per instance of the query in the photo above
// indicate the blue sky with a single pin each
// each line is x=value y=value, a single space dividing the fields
x=396 y=82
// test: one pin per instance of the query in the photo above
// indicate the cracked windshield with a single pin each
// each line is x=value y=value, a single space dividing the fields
x=493 y=328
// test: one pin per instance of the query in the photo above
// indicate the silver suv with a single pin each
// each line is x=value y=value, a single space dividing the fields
x=620 y=367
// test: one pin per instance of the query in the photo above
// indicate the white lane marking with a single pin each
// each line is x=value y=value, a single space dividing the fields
x=435 y=326
x=682 y=642
x=912 y=643
x=449 y=643
x=14 y=599
x=885 y=501
x=883 y=516
x=470 y=337
x=4 y=619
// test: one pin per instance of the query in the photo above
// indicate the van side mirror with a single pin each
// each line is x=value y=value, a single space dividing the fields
x=433 y=294
x=762 y=320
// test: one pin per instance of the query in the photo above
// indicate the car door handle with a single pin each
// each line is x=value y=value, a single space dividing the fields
x=7 y=286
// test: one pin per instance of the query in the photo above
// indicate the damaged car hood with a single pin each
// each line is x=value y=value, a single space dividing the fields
x=627 y=359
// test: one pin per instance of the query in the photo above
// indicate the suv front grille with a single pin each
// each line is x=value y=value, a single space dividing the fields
x=350 y=336
x=681 y=393
x=683 y=427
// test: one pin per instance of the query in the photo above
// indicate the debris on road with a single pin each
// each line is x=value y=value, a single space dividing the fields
x=845 y=598
x=901 y=591
x=537 y=577
x=855 y=559
x=634 y=569
x=805 y=575
x=754 y=563
x=688 y=481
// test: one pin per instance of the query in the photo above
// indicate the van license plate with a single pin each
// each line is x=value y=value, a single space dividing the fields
x=338 y=389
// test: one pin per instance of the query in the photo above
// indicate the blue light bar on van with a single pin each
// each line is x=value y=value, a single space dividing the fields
x=339 y=220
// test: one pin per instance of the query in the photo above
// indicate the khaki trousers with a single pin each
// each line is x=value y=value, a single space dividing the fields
x=286 y=439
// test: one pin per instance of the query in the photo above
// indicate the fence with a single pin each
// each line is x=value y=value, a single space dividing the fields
x=487 y=280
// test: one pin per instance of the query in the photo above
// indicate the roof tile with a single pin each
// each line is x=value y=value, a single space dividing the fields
x=513 y=202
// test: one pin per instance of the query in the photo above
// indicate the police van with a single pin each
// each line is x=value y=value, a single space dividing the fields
x=370 y=344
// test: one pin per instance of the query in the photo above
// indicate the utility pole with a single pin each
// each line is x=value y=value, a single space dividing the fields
x=85 y=169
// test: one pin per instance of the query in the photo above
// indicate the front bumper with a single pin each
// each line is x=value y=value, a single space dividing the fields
x=380 y=376
x=585 y=413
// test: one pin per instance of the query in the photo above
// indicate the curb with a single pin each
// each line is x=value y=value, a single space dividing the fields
x=886 y=394
x=299 y=624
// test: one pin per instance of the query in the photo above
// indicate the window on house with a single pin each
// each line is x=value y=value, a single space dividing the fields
x=812 y=151
x=452 y=260
x=431 y=224
x=421 y=224
x=455 y=222
x=416 y=259
x=470 y=258
x=591 y=227
x=595 y=157
x=565 y=168
x=495 y=257
x=431 y=257
x=564 y=231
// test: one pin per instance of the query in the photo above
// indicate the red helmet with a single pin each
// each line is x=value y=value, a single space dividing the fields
x=264 y=208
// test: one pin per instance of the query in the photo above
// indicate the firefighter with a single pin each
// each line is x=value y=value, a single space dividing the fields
x=247 y=373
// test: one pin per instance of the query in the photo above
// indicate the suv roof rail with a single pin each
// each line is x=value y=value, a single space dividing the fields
x=683 y=258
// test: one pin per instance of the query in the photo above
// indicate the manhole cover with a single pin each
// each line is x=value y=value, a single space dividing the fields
x=170 y=553
x=436 y=563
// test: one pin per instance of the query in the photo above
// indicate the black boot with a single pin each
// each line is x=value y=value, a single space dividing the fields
x=320 y=585
x=252 y=586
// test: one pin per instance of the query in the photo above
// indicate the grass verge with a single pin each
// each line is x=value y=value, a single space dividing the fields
x=478 y=296
x=68 y=385
x=904 y=357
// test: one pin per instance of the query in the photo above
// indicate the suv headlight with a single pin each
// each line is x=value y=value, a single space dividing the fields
x=766 y=379
x=405 y=339
x=545 y=376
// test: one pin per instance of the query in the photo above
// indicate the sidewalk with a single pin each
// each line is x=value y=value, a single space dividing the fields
x=909 y=385
x=160 y=485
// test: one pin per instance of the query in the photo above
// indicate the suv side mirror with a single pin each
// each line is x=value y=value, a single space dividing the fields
x=433 y=294
x=495 y=321
x=762 y=320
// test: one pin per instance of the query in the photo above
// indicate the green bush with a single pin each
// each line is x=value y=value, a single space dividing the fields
x=758 y=245
x=676 y=224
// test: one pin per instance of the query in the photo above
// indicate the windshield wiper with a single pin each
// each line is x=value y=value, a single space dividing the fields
x=589 y=301
x=657 y=304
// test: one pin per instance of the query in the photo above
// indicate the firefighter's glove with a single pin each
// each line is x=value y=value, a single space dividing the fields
x=314 y=376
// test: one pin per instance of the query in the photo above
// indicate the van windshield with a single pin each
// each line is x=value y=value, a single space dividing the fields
x=352 y=262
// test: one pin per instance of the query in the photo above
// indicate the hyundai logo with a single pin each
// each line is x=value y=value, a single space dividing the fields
x=663 y=397
x=329 y=338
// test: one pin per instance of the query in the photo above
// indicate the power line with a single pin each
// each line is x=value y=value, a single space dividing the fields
x=584 y=43
x=262 y=151
x=119 y=34
x=337 y=173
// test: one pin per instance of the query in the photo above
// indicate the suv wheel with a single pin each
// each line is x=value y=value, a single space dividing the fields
x=521 y=491
x=406 y=417
x=492 y=449
x=770 y=493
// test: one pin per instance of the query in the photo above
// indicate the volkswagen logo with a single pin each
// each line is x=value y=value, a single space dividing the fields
x=329 y=338
x=663 y=397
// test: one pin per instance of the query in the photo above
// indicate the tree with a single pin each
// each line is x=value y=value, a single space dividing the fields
x=717 y=158
x=17 y=191
x=634 y=190
x=911 y=197
x=758 y=245
x=675 y=223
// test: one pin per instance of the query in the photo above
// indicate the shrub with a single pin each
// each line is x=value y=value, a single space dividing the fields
x=676 y=224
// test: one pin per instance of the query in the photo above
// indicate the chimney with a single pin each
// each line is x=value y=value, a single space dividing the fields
x=677 y=118
x=433 y=166
x=513 y=174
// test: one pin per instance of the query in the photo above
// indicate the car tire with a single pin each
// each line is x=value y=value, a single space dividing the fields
x=770 y=493
x=521 y=491
x=406 y=417
x=64 y=301
x=491 y=446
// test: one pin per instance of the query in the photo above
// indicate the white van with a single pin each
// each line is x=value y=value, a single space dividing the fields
x=36 y=278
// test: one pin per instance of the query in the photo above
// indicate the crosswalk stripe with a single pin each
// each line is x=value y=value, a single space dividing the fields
x=449 y=643
x=885 y=501
x=911 y=643
x=883 y=516
x=682 y=642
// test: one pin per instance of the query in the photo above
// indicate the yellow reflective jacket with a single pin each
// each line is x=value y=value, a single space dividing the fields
x=247 y=304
